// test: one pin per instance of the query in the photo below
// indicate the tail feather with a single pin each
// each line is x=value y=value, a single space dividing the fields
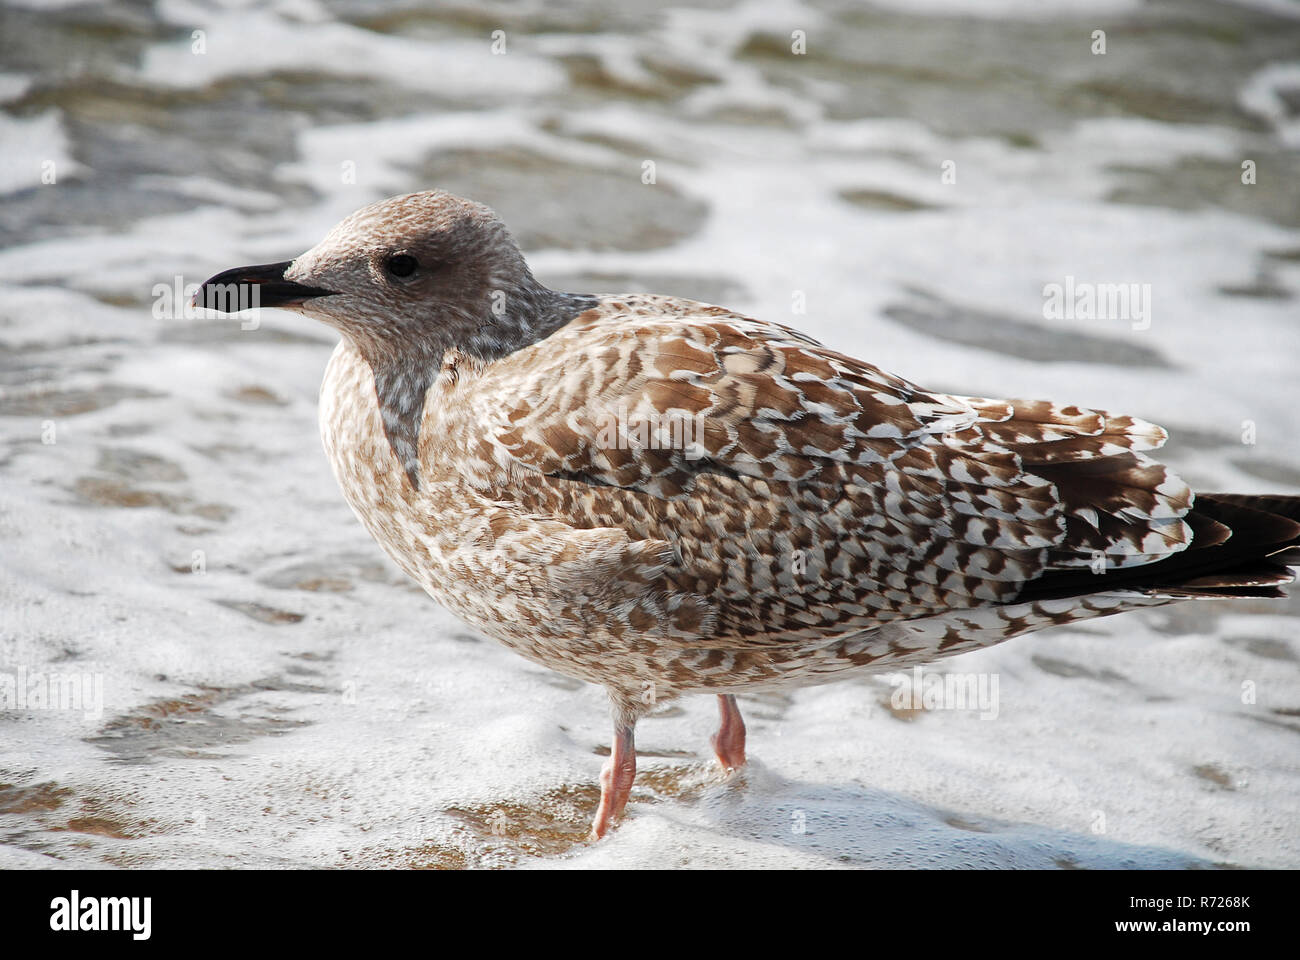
x=1242 y=546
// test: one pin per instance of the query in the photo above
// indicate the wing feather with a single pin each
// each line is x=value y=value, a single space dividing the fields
x=753 y=451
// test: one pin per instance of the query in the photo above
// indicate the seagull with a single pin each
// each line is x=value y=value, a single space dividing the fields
x=666 y=497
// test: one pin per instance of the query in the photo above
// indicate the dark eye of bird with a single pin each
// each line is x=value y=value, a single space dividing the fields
x=401 y=265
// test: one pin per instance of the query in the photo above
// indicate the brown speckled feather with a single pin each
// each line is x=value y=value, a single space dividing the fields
x=810 y=514
x=646 y=491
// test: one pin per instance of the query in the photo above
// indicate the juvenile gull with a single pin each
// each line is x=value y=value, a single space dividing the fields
x=667 y=497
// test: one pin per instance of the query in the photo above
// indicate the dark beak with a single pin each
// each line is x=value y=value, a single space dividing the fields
x=245 y=288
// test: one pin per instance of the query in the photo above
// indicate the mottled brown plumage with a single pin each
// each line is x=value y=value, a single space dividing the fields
x=666 y=497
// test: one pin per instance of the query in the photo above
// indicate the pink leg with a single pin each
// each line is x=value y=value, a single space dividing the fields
x=729 y=741
x=615 y=780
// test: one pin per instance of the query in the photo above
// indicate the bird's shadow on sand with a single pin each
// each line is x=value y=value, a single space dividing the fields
x=855 y=826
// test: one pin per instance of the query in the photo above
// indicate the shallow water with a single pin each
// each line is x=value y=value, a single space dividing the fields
x=271 y=691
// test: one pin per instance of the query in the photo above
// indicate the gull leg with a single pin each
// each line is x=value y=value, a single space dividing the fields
x=729 y=741
x=616 y=779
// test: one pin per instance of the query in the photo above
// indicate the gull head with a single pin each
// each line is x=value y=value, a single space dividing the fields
x=422 y=272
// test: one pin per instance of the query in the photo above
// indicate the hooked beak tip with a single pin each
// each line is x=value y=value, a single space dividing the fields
x=260 y=285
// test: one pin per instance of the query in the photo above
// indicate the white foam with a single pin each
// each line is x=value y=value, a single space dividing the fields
x=34 y=152
x=1260 y=96
x=51 y=4
x=13 y=86
x=255 y=41
x=1011 y=9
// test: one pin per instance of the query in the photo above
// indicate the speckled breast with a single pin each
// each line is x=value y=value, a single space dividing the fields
x=441 y=535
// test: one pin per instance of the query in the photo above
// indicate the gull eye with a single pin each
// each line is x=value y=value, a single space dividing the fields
x=401 y=265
